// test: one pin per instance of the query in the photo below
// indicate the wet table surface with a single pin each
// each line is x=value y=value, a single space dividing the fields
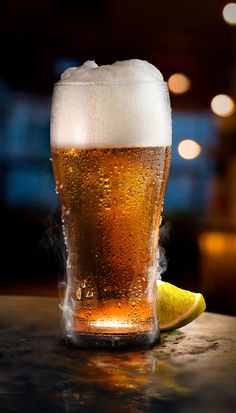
x=192 y=369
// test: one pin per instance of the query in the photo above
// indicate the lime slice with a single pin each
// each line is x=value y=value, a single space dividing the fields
x=177 y=307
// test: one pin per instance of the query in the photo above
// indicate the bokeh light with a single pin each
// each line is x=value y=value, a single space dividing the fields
x=229 y=13
x=223 y=105
x=179 y=83
x=189 y=149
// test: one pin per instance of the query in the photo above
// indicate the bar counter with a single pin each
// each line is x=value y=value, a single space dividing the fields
x=192 y=369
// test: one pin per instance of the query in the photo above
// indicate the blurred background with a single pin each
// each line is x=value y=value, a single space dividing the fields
x=194 y=46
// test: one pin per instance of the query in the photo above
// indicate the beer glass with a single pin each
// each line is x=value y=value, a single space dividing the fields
x=110 y=176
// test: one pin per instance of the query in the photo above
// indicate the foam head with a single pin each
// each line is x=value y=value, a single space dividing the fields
x=125 y=104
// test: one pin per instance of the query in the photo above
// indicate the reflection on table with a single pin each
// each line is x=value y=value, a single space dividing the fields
x=192 y=369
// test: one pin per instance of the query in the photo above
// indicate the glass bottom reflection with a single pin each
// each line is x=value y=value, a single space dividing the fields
x=125 y=380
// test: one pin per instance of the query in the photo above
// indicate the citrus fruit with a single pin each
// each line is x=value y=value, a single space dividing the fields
x=177 y=307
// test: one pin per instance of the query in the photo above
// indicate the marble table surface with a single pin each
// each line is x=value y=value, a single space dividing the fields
x=192 y=369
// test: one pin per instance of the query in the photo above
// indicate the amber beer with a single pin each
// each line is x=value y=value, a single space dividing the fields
x=111 y=201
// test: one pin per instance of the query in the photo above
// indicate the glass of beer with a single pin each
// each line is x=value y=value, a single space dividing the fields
x=111 y=148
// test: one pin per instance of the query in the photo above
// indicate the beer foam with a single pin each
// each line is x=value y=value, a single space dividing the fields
x=125 y=104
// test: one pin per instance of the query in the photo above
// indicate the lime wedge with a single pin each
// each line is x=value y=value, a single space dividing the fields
x=177 y=307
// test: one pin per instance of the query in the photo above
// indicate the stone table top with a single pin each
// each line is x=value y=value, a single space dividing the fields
x=192 y=369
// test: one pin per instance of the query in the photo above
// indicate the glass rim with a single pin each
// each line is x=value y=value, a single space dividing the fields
x=102 y=83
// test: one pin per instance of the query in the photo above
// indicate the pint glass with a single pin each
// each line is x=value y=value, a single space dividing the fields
x=111 y=161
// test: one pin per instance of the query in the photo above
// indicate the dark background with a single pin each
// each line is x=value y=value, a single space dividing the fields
x=39 y=39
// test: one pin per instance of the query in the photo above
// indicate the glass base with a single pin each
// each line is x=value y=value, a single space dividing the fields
x=114 y=341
